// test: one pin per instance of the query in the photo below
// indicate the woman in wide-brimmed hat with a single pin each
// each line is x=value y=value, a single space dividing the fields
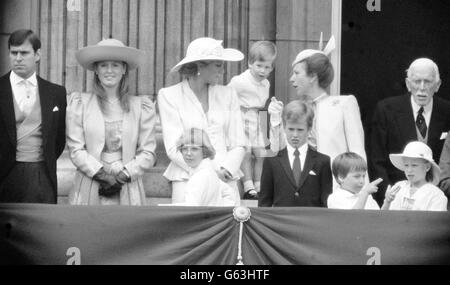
x=199 y=101
x=419 y=192
x=110 y=134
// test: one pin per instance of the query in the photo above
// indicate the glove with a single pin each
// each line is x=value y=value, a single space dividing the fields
x=108 y=183
x=275 y=109
x=116 y=167
x=109 y=191
x=123 y=177
x=104 y=178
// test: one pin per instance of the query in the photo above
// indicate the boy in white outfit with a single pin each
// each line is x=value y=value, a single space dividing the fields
x=252 y=88
x=349 y=170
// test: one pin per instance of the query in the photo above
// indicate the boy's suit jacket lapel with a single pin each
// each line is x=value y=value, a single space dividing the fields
x=286 y=166
x=309 y=163
x=7 y=107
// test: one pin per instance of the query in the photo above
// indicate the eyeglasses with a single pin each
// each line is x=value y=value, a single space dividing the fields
x=186 y=149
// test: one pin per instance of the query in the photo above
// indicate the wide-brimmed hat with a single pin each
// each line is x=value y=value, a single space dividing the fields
x=109 y=49
x=208 y=49
x=304 y=54
x=416 y=150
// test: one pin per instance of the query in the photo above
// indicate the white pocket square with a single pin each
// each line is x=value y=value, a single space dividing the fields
x=444 y=136
x=55 y=109
x=312 y=173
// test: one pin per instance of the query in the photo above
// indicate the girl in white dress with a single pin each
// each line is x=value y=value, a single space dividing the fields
x=419 y=191
x=204 y=188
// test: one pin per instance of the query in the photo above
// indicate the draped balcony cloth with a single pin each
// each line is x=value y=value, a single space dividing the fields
x=46 y=234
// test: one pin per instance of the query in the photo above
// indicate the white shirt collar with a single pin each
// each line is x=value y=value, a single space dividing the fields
x=427 y=108
x=303 y=151
x=346 y=193
x=16 y=79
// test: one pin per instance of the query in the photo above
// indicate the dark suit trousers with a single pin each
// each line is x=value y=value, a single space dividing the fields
x=28 y=182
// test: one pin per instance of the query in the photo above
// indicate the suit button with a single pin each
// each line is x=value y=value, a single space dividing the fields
x=296 y=194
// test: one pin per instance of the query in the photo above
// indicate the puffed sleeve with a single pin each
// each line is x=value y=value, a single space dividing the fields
x=235 y=136
x=145 y=151
x=75 y=136
x=354 y=131
x=172 y=129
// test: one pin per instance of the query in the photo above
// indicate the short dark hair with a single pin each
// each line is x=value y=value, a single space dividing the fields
x=320 y=65
x=19 y=37
x=191 y=69
x=297 y=111
x=347 y=162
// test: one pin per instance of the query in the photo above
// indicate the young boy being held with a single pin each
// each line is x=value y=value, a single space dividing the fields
x=252 y=88
x=298 y=176
x=349 y=170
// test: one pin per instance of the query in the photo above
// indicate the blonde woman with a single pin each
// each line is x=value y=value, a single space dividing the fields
x=199 y=101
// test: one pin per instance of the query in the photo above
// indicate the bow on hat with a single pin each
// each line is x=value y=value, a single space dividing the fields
x=304 y=54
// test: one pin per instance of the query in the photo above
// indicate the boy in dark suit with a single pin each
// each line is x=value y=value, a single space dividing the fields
x=298 y=176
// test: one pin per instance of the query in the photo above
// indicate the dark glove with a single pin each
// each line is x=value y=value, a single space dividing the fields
x=109 y=191
x=123 y=177
x=108 y=183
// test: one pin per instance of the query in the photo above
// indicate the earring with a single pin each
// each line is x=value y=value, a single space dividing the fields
x=198 y=73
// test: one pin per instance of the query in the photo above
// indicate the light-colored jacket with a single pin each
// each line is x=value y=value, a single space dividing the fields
x=180 y=110
x=86 y=140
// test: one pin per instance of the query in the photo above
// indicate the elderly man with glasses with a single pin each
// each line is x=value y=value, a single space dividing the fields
x=419 y=116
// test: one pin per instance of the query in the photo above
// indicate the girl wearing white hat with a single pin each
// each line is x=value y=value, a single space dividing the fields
x=110 y=134
x=199 y=101
x=419 y=191
x=337 y=126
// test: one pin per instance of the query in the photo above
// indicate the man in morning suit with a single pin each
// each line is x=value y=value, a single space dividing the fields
x=419 y=116
x=32 y=126
x=298 y=176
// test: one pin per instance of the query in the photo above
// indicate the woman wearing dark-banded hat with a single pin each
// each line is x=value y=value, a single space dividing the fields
x=110 y=133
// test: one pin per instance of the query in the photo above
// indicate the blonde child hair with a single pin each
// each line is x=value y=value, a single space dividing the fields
x=199 y=137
